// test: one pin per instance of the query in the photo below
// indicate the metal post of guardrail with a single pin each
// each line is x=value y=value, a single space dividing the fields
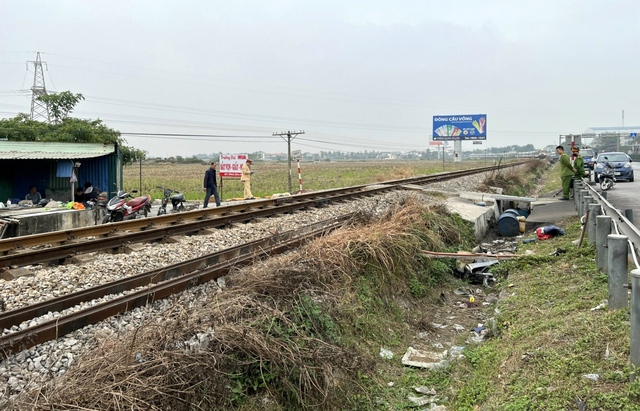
x=603 y=229
x=585 y=204
x=628 y=213
x=618 y=270
x=594 y=211
x=583 y=194
x=577 y=187
x=635 y=322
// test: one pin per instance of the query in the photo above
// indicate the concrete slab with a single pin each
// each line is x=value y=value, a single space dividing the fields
x=550 y=211
x=483 y=217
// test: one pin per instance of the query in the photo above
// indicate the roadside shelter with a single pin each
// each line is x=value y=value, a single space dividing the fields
x=56 y=168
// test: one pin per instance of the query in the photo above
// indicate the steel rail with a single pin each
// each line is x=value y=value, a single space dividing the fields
x=116 y=235
x=177 y=278
x=62 y=236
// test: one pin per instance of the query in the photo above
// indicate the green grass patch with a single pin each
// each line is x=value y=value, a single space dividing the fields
x=549 y=339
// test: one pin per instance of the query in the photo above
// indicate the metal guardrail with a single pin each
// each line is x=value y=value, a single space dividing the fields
x=623 y=225
x=615 y=237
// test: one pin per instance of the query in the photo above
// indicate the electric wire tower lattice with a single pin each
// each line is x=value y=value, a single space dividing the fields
x=39 y=110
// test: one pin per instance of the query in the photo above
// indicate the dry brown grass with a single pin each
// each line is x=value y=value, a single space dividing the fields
x=515 y=181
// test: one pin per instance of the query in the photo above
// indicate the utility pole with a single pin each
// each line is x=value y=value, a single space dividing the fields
x=288 y=136
x=39 y=110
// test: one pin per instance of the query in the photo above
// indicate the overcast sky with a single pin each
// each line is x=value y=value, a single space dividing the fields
x=354 y=75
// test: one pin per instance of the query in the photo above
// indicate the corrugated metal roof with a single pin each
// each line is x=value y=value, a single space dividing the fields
x=33 y=150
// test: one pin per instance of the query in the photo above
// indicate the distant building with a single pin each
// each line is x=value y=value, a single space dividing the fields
x=628 y=136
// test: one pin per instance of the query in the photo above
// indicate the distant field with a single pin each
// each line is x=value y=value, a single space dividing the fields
x=272 y=178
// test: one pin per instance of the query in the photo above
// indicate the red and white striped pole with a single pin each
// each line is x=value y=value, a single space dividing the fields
x=299 y=176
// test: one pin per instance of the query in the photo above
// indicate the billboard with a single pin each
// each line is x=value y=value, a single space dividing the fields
x=460 y=127
x=231 y=164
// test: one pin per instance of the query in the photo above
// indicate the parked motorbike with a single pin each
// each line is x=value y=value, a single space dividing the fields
x=99 y=206
x=119 y=209
x=607 y=177
x=177 y=201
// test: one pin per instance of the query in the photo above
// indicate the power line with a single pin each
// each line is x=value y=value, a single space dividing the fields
x=191 y=135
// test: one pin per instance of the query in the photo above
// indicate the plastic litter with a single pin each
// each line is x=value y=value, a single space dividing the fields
x=592 y=377
x=425 y=390
x=456 y=351
x=600 y=306
x=386 y=354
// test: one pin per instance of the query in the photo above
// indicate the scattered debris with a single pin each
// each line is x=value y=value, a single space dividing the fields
x=462 y=254
x=390 y=384
x=425 y=359
x=425 y=390
x=386 y=354
x=582 y=405
x=603 y=304
x=458 y=327
x=592 y=377
x=455 y=352
x=420 y=401
x=558 y=252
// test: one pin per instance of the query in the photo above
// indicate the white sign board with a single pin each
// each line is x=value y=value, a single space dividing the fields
x=231 y=164
x=296 y=154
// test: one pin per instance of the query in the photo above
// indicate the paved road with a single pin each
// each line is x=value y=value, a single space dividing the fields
x=626 y=195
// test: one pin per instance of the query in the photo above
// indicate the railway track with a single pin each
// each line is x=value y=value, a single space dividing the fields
x=60 y=246
x=145 y=288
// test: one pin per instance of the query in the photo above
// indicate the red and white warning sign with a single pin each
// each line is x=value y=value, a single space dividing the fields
x=231 y=164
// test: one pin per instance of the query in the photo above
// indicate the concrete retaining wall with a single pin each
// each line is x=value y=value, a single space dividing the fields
x=37 y=222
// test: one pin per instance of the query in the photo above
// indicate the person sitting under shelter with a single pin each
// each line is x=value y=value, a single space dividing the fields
x=90 y=192
x=79 y=195
x=33 y=195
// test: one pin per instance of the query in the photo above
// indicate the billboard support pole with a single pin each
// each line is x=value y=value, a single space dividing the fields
x=443 y=157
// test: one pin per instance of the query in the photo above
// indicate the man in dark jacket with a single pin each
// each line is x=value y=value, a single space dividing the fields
x=211 y=185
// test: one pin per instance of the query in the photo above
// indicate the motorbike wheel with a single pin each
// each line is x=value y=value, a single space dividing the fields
x=162 y=211
x=605 y=184
x=106 y=219
x=117 y=217
x=180 y=208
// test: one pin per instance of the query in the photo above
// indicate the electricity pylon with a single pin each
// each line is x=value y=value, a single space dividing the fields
x=39 y=110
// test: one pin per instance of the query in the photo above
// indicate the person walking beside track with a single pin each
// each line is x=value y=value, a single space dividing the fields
x=566 y=172
x=210 y=185
x=246 y=179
